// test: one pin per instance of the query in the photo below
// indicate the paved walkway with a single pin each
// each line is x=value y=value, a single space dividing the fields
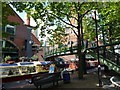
x=90 y=81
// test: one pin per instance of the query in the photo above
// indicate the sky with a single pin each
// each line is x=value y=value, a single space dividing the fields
x=23 y=16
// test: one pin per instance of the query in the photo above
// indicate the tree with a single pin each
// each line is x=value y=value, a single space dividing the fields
x=108 y=22
x=58 y=36
x=110 y=19
x=53 y=13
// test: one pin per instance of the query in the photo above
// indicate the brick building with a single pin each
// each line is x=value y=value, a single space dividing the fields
x=18 y=40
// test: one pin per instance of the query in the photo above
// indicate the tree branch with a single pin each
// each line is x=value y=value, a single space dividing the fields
x=86 y=13
x=72 y=28
x=80 y=5
x=69 y=20
x=63 y=20
x=68 y=15
x=75 y=5
x=74 y=32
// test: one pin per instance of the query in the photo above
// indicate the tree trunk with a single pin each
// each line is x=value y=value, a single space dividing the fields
x=80 y=64
x=110 y=38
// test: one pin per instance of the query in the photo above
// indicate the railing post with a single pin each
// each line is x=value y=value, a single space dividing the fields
x=65 y=49
x=53 y=50
x=56 y=50
x=118 y=61
x=48 y=50
x=71 y=47
x=45 y=48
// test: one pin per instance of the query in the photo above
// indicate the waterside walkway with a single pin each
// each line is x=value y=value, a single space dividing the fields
x=90 y=81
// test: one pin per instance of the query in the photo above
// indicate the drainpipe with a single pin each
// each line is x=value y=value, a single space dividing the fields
x=29 y=38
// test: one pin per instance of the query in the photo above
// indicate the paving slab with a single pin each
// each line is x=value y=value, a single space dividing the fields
x=89 y=81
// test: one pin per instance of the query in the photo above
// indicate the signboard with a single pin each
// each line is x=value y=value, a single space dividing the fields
x=52 y=68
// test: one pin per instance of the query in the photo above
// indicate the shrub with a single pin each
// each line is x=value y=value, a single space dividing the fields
x=7 y=58
x=34 y=57
x=21 y=58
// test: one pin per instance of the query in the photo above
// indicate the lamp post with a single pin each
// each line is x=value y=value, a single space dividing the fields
x=53 y=49
x=99 y=66
x=102 y=28
x=103 y=39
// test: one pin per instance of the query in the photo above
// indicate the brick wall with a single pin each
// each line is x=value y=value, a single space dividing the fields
x=35 y=39
x=15 y=18
x=20 y=37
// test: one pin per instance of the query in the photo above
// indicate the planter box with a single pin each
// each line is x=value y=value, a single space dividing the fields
x=10 y=62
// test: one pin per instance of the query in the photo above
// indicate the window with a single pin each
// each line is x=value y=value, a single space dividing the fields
x=11 y=38
x=8 y=44
x=3 y=28
x=9 y=71
x=10 y=29
x=28 y=69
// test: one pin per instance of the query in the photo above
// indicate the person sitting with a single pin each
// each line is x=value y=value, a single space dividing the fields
x=10 y=72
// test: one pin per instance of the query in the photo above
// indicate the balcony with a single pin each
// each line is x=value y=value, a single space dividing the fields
x=9 y=50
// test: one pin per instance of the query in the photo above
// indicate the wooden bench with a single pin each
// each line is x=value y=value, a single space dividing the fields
x=42 y=79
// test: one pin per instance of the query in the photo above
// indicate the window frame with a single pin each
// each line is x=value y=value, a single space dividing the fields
x=10 y=26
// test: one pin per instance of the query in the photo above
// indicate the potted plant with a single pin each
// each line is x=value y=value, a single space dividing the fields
x=34 y=57
x=8 y=59
x=22 y=58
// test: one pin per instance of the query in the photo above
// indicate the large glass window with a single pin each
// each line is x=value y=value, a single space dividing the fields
x=28 y=69
x=9 y=71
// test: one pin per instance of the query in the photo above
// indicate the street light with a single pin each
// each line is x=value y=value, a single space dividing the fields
x=102 y=28
x=99 y=66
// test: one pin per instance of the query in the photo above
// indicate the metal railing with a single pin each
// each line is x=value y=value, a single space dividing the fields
x=116 y=81
x=107 y=55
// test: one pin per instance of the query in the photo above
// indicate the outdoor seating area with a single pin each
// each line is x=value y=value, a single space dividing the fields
x=43 y=79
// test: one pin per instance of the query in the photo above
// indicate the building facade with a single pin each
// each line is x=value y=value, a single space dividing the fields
x=17 y=40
